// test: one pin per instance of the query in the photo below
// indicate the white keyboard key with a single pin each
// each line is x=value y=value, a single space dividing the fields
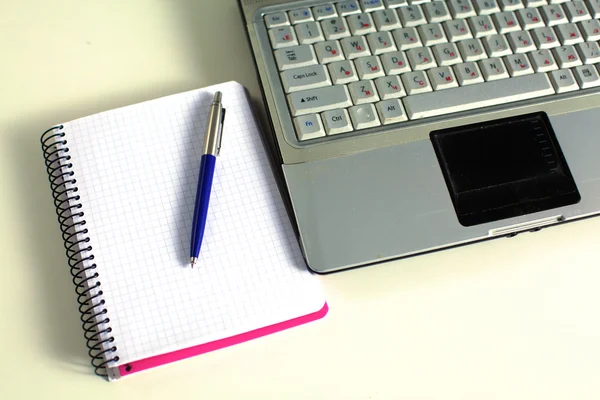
x=305 y=78
x=390 y=87
x=411 y=16
x=277 y=19
x=416 y=82
x=576 y=11
x=496 y=46
x=363 y=92
x=395 y=3
x=371 y=5
x=545 y=38
x=364 y=116
x=477 y=96
x=395 y=63
x=442 y=78
x=447 y=54
x=563 y=81
x=481 y=26
x=348 y=7
x=420 y=58
x=309 y=127
x=518 y=64
x=493 y=69
x=594 y=8
x=510 y=5
x=535 y=3
x=386 y=20
x=342 y=72
x=355 y=46
x=587 y=76
x=295 y=57
x=521 y=42
x=407 y=38
x=590 y=30
x=360 y=23
x=566 y=57
x=324 y=11
x=381 y=42
x=506 y=22
x=432 y=34
x=486 y=7
x=457 y=30
x=589 y=52
x=462 y=8
x=468 y=73
x=309 y=32
x=554 y=14
x=530 y=18
x=300 y=15
x=437 y=11
x=318 y=100
x=329 y=51
x=542 y=61
x=391 y=111
x=471 y=50
x=283 y=36
x=568 y=34
x=336 y=121
x=368 y=67
x=335 y=28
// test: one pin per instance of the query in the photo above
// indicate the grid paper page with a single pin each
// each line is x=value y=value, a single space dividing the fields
x=137 y=170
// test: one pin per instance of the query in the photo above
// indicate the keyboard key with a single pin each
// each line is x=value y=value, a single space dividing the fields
x=486 y=7
x=493 y=69
x=389 y=87
x=355 y=46
x=381 y=42
x=336 y=121
x=360 y=23
x=305 y=78
x=437 y=11
x=542 y=61
x=554 y=14
x=348 y=7
x=309 y=32
x=476 y=96
x=442 y=78
x=368 y=67
x=482 y=26
x=511 y=5
x=589 y=52
x=300 y=15
x=342 y=72
x=521 y=42
x=447 y=54
x=545 y=38
x=371 y=5
x=432 y=34
x=566 y=57
x=329 y=51
x=386 y=20
x=411 y=16
x=318 y=100
x=590 y=30
x=587 y=76
x=457 y=30
x=471 y=50
x=282 y=37
x=530 y=18
x=363 y=92
x=295 y=57
x=309 y=127
x=468 y=73
x=518 y=65
x=462 y=8
x=576 y=11
x=324 y=11
x=391 y=111
x=563 y=81
x=568 y=34
x=277 y=19
x=395 y=63
x=594 y=8
x=364 y=116
x=416 y=82
x=420 y=58
x=407 y=38
x=496 y=46
x=535 y=3
x=506 y=22
x=395 y=3
x=335 y=28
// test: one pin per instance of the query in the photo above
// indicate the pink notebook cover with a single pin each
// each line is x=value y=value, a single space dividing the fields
x=156 y=361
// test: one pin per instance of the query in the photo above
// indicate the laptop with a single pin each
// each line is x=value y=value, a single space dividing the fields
x=402 y=127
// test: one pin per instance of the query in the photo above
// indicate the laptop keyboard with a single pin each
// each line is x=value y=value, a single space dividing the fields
x=347 y=66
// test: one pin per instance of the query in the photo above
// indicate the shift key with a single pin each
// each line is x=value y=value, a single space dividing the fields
x=319 y=100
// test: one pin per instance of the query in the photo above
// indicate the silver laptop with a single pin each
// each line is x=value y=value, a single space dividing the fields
x=407 y=126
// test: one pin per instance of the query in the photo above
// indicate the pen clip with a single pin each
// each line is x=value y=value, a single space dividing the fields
x=220 y=131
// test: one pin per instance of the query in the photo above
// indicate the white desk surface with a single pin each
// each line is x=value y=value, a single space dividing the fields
x=507 y=319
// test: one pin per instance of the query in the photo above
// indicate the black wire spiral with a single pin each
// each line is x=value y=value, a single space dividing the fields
x=87 y=284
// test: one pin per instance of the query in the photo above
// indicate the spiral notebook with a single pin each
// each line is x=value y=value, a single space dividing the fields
x=124 y=184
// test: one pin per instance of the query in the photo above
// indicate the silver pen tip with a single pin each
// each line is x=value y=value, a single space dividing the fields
x=193 y=261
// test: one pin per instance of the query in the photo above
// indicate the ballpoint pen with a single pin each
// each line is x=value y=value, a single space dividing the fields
x=212 y=146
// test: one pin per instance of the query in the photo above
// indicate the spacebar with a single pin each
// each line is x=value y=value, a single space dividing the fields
x=477 y=96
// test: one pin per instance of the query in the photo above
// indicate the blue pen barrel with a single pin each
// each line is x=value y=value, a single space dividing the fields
x=207 y=170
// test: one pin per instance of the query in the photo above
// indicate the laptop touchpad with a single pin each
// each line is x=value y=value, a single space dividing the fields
x=504 y=168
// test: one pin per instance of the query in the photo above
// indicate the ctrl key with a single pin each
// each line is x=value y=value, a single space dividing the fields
x=336 y=121
x=309 y=127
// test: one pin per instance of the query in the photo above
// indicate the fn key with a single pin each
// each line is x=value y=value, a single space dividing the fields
x=309 y=127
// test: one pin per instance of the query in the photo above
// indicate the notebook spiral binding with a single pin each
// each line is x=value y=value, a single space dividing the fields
x=62 y=179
